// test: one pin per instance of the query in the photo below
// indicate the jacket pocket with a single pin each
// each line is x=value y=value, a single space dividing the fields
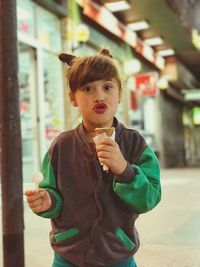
x=128 y=243
x=66 y=234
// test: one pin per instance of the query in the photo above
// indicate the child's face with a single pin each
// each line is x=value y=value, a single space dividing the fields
x=97 y=102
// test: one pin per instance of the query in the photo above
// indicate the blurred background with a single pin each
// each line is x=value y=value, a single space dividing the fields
x=156 y=44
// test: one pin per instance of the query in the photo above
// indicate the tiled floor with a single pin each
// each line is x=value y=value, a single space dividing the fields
x=170 y=234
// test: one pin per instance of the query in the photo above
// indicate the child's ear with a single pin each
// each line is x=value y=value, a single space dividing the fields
x=72 y=98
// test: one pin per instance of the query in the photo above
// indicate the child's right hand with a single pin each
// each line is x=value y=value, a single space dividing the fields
x=38 y=200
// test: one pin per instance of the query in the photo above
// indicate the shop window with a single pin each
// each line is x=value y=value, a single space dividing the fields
x=27 y=102
x=58 y=7
x=53 y=97
x=48 y=30
x=25 y=17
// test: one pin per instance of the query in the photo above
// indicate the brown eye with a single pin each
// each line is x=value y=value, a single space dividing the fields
x=87 y=89
x=108 y=87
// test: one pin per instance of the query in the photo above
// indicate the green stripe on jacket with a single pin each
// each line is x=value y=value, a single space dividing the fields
x=50 y=185
x=144 y=192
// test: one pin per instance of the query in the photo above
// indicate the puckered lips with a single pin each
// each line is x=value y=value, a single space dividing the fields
x=100 y=108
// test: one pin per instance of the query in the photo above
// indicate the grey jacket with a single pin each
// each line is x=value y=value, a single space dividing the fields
x=93 y=213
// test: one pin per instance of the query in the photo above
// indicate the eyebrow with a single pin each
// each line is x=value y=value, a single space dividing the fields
x=90 y=83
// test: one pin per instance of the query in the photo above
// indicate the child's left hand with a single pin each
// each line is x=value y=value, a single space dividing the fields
x=110 y=154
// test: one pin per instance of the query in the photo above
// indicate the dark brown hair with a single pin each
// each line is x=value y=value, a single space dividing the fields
x=83 y=70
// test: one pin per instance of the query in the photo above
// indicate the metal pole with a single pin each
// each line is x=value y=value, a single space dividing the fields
x=10 y=140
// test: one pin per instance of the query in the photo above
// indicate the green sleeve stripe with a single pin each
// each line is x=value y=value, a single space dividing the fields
x=66 y=234
x=144 y=192
x=48 y=172
x=125 y=239
x=50 y=185
x=149 y=163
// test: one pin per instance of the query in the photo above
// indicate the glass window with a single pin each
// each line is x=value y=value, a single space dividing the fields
x=48 y=30
x=27 y=101
x=53 y=87
x=25 y=17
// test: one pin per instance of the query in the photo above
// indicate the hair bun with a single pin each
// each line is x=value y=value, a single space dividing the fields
x=66 y=58
x=105 y=52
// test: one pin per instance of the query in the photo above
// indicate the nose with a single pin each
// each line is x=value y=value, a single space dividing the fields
x=99 y=95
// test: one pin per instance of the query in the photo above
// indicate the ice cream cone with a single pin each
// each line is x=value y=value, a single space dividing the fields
x=102 y=133
x=107 y=130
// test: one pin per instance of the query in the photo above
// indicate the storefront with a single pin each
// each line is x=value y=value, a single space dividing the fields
x=143 y=113
x=191 y=122
x=40 y=82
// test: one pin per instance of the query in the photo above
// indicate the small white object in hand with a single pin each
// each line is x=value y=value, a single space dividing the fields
x=37 y=178
x=100 y=137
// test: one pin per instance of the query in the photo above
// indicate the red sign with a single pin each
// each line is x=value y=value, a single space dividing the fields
x=134 y=104
x=146 y=84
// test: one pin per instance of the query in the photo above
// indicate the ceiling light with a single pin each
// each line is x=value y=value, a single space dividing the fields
x=118 y=6
x=138 y=26
x=154 y=41
x=192 y=95
x=166 y=53
x=132 y=66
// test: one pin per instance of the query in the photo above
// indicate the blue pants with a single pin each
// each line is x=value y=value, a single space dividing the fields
x=60 y=262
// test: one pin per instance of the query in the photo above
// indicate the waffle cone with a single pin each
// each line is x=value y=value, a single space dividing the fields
x=108 y=130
